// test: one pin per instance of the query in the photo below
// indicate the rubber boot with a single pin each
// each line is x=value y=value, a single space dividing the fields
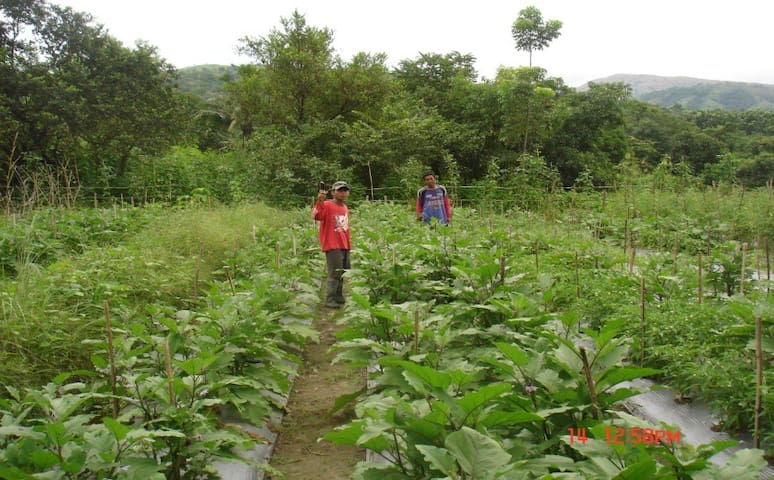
x=330 y=294
x=340 y=293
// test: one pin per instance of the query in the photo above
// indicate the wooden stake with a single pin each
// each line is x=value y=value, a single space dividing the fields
x=577 y=276
x=768 y=266
x=230 y=280
x=590 y=381
x=626 y=232
x=758 y=381
x=701 y=285
x=642 y=321
x=744 y=266
x=674 y=253
x=111 y=358
x=198 y=270
x=170 y=375
x=279 y=256
x=295 y=250
x=416 y=331
x=632 y=254
x=537 y=255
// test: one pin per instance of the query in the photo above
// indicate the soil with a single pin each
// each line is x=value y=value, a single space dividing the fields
x=298 y=453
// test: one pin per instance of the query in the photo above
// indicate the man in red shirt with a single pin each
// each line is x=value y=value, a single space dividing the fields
x=333 y=216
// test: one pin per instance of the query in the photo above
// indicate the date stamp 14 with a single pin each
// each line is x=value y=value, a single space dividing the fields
x=629 y=436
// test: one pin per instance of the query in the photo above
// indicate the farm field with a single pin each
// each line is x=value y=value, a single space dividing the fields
x=495 y=345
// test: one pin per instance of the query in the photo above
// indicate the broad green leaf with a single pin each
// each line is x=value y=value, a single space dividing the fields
x=439 y=458
x=118 y=429
x=483 y=395
x=478 y=455
x=745 y=464
x=346 y=435
x=499 y=417
x=514 y=353
x=645 y=468
x=344 y=400
x=614 y=376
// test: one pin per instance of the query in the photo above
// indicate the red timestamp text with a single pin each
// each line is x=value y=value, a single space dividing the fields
x=629 y=436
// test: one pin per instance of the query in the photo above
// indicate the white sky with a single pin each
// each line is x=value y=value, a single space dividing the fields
x=711 y=39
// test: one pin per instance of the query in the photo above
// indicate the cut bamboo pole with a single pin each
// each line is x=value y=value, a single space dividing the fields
x=111 y=358
x=744 y=266
x=577 y=276
x=416 y=331
x=758 y=381
x=230 y=280
x=675 y=249
x=642 y=321
x=170 y=375
x=701 y=274
x=279 y=257
x=590 y=381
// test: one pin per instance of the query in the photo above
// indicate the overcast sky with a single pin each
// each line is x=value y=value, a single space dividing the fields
x=717 y=40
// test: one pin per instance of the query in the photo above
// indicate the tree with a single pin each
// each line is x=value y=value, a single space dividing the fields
x=298 y=61
x=532 y=33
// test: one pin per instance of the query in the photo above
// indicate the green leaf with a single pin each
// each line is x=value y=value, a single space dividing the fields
x=514 y=353
x=474 y=399
x=617 y=375
x=478 y=455
x=14 y=473
x=645 y=468
x=439 y=458
x=347 y=434
x=344 y=400
x=118 y=429
x=500 y=417
x=745 y=464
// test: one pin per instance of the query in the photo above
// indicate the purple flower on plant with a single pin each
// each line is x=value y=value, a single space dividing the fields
x=530 y=389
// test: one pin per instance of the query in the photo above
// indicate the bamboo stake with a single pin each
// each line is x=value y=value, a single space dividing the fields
x=198 y=270
x=416 y=331
x=577 y=276
x=626 y=232
x=674 y=253
x=230 y=280
x=632 y=254
x=170 y=376
x=642 y=321
x=590 y=381
x=768 y=267
x=701 y=273
x=537 y=255
x=111 y=357
x=758 y=381
x=279 y=257
x=744 y=266
x=295 y=249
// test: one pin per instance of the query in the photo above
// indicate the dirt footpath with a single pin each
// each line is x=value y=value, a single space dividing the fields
x=298 y=454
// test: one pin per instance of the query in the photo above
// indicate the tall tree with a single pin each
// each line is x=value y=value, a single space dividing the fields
x=298 y=60
x=531 y=32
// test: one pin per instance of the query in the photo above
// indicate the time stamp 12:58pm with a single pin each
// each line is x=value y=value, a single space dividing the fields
x=629 y=436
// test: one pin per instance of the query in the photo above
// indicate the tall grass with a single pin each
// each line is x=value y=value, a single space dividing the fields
x=47 y=312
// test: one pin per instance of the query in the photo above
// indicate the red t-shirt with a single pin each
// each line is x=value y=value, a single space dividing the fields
x=334 y=224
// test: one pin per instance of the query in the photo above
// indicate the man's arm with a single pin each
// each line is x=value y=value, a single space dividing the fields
x=420 y=206
x=447 y=207
x=318 y=211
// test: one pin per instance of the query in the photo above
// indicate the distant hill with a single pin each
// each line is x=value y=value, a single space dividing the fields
x=695 y=93
x=205 y=81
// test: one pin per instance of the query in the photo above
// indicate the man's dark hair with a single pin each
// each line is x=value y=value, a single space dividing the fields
x=427 y=174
